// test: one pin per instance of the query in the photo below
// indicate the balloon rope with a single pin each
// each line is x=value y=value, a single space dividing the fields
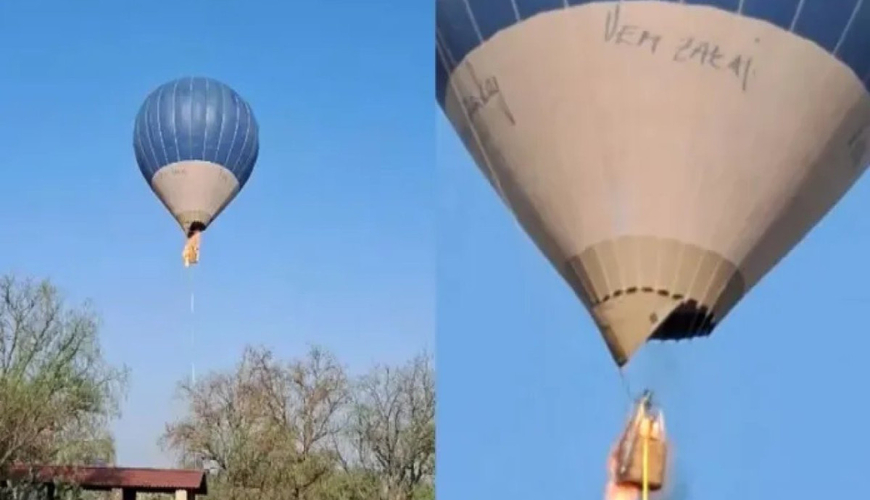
x=645 y=481
x=625 y=385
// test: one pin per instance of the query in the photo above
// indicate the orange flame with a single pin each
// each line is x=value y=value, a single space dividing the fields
x=614 y=490
x=190 y=254
x=647 y=427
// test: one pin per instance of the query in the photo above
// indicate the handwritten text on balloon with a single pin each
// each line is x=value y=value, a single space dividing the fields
x=483 y=93
x=688 y=49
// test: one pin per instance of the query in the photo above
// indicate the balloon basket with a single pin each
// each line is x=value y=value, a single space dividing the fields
x=631 y=471
x=190 y=253
x=643 y=446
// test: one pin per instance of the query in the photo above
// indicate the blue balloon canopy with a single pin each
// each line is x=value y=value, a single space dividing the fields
x=196 y=142
x=842 y=27
x=196 y=118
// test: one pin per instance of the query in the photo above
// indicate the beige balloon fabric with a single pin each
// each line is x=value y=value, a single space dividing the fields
x=663 y=156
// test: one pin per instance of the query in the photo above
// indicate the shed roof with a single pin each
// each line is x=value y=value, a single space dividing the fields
x=97 y=478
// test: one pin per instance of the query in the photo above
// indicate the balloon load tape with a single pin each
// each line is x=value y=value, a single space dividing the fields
x=644 y=434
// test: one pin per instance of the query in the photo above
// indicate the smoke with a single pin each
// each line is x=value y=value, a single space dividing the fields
x=680 y=491
x=658 y=366
x=679 y=486
x=662 y=368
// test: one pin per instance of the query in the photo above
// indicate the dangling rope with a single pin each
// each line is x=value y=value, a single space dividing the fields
x=190 y=256
x=192 y=330
x=626 y=386
x=645 y=473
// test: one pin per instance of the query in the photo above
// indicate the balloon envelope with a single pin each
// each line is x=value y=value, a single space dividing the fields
x=196 y=142
x=663 y=155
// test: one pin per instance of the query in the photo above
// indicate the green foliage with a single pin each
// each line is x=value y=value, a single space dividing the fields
x=57 y=393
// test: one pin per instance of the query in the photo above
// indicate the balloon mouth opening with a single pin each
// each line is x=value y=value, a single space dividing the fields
x=631 y=317
x=690 y=319
x=195 y=227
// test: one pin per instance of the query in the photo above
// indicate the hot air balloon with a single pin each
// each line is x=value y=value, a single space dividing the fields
x=663 y=155
x=196 y=142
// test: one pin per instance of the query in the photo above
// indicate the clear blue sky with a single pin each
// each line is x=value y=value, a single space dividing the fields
x=772 y=406
x=331 y=241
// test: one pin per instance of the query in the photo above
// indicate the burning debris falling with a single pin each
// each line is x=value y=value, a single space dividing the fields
x=190 y=254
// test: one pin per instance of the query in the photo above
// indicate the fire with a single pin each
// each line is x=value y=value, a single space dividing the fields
x=647 y=427
x=614 y=490
x=190 y=254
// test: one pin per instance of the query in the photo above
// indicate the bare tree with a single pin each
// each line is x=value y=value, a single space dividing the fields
x=57 y=392
x=392 y=427
x=300 y=430
x=266 y=426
